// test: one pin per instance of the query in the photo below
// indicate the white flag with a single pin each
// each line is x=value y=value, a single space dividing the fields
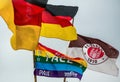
x=99 y=55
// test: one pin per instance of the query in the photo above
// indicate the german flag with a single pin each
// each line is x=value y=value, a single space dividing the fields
x=56 y=22
x=27 y=18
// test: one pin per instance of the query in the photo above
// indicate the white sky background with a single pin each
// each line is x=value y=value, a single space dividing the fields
x=95 y=18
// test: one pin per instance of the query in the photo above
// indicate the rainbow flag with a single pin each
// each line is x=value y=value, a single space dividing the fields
x=51 y=63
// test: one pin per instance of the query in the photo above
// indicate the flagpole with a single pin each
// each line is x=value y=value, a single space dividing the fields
x=35 y=77
x=64 y=79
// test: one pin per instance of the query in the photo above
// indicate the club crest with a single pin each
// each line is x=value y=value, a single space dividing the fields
x=94 y=54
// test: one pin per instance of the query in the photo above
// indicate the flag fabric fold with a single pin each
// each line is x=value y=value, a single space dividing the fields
x=51 y=63
x=99 y=55
x=27 y=37
x=41 y=3
x=27 y=13
x=67 y=12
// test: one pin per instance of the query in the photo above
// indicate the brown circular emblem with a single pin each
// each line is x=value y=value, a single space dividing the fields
x=94 y=54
